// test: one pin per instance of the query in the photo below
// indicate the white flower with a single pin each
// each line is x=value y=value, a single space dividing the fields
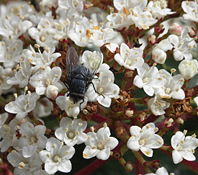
x=188 y=68
x=157 y=105
x=47 y=81
x=56 y=156
x=158 y=55
x=72 y=109
x=22 y=105
x=43 y=107
x=13 y=20
x=159 y=8
x=92 y=60
x=183 y=45
x=3 y=118
x=129 y=58
x=32 y=139
x=196 y=100
x=5 y=73
x=71 y=131
x=10 y=51
x=89 y=33
x=160 y=171
x=76 y=5
x=147 y=78
x=49 y=31
x=131 y=12
x=25 y=166
x=21 y=77
x=172 y=88
x=99 y=144
x=105 y=89
x=8 y=135
x=143 y=20
x=119 y=20
x=49 y=4
x=184 y=147
x=144 y=139
x=40 y=60
x=191 y=9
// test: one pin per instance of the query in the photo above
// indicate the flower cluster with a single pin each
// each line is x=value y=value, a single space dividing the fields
x=114 y=75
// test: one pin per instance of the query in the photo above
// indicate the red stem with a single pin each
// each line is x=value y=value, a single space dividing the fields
x=91 y=167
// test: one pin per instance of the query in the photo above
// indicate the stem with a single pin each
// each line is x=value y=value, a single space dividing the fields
x=91 y=167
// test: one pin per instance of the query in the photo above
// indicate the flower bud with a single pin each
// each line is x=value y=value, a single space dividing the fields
x=52 y=91
x=176 y=29
x=159 y=56
x=188 y=68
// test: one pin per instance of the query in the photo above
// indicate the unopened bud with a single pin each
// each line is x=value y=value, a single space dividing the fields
x=169 y=122
x=159 y=56
x=180 y=121
x=52 y=92
x=129 y=166
x=152 y=39
x=176 y=29
x=129 y=113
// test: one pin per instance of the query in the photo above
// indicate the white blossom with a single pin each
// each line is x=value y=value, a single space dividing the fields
x=22 y=75
x=103 y=89
x=99 y=144
x=92 y=60
x=10 y=52
x=160 y=171
x=3 y=118
x=71 y=131
x=22 y=105
x=89 y=33
x=5 y=73
x=72 y=109
x=49 y=31
x=158 y=105
x=129 y=58
x=144 y=139
x=16 y=18
x=191 y=9
x=172 y=88
x=188 y=68
x=183 y=147
x=182 y=45
x=47 y=81
x=147 y=79
x=8 y=135
x=159 y=8
x=32 y=139
x=158 y=55
x=24 y=166
x=196 y=100
x=43 y=107
x=56 y=156
x=38 y=59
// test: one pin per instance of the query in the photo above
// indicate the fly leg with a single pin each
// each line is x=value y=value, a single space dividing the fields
x=83 y=100
x=96 y=90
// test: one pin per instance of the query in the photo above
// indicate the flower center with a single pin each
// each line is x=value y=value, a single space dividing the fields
x=71 y=134
x=100 y=146
x=33 y=139
x=56 y=158
x=142 y=141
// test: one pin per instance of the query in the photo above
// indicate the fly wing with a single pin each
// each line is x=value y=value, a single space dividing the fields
x=72 y=59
